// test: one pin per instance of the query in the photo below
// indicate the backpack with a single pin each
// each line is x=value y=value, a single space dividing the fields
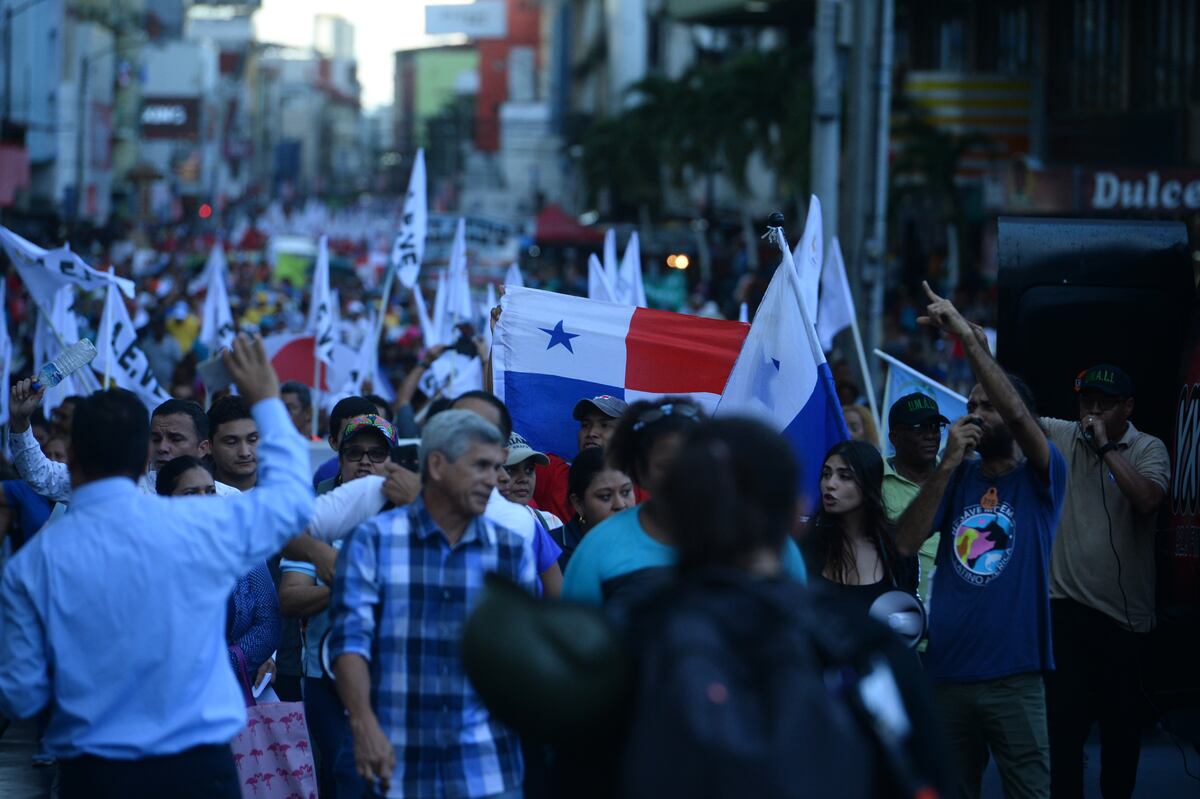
x=752 y=687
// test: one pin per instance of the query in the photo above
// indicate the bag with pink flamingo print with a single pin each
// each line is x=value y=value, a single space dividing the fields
x=274 y=758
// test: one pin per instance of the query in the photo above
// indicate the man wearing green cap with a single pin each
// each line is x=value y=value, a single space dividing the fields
x=1102 y=581
x=915 y=427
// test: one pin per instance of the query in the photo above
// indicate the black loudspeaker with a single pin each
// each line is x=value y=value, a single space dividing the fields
x=1077 y=292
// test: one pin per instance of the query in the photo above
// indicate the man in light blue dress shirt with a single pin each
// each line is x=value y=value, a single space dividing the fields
x=114 y=617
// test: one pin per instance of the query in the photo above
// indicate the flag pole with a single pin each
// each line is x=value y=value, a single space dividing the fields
x=316 y=404
x=862 y=365
x=388 y=279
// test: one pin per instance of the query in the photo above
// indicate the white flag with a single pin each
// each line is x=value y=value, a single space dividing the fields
x=599 y=286
x=364 y=362
x=409 y=248
x=439 y=310
x=56 y=330
x=513 y=276
x=835 y=311
x=808 y=257
x=214 y=263
x=459 y=308
x=630 y=290
x=611 y=266
x=46 y=271
x=118 y=354
x=320 y=310
x=782 y=379
x=217 y=329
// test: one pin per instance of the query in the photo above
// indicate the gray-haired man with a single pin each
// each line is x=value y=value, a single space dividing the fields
x=405 y=583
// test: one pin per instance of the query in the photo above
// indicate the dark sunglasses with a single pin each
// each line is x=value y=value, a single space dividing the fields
x=925 y=427
x=652 y=415
x=355 y=453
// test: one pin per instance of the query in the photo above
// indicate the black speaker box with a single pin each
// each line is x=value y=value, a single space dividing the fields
x=1077 y=292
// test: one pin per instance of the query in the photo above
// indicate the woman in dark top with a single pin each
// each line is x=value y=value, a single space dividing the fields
x=851 y=548
x=595 y=491
x=253 y=625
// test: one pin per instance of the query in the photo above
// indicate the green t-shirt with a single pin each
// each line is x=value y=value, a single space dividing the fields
x=898 y=494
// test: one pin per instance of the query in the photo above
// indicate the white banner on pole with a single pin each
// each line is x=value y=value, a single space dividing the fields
x=409 y=248
x=118 y=355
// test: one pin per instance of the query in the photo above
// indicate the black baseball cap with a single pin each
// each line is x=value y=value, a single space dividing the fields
x=609 y=406
x=914 y=409
x=1105 y=378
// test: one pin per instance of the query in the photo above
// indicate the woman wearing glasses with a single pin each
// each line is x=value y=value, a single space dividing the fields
x=632 y=553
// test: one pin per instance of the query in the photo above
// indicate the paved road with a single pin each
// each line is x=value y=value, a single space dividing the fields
x=1160 y=774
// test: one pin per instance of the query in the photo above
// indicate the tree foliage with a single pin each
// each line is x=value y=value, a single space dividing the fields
x=713 y=118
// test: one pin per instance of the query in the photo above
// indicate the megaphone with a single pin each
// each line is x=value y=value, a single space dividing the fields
x=902 y=613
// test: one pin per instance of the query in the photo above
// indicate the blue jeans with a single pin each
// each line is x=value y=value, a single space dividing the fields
x=327 y=727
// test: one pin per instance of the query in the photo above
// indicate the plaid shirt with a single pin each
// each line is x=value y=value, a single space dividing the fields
x=400 y=599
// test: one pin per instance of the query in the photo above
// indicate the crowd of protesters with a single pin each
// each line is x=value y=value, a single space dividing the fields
x=194 y=557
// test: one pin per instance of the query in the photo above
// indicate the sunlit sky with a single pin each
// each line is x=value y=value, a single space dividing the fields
x=381 y=27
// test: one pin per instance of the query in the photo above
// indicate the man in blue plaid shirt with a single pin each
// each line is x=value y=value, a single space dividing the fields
x=406 y=581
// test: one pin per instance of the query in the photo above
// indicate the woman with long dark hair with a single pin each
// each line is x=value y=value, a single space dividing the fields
x=851 y=547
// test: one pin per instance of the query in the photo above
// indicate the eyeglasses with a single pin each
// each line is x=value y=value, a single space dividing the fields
x=652 y=415
x=925 y=427
x=354 y=454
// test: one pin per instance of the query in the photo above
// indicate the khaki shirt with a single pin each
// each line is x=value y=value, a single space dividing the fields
x=898 y=494
x=1083 y=567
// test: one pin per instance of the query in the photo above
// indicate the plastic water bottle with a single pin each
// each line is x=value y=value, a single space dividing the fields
x=72 y=359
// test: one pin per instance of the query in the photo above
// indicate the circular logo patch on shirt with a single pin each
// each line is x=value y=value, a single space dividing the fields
x=983 y=542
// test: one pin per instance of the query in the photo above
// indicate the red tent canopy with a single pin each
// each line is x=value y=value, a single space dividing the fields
x=556 y=226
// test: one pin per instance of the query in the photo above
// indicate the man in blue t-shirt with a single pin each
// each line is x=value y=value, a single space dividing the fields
x=989 y=624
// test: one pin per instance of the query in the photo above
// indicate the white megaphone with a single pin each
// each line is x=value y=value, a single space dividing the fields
x=903 y=614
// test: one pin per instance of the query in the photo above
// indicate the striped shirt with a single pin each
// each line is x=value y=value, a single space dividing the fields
x=401 y=596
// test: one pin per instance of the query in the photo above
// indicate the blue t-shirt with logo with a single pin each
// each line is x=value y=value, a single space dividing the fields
x=990 y=614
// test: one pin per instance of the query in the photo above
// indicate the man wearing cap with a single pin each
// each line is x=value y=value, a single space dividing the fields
x=597 y=419
x=1102 y=582
x=915 y=429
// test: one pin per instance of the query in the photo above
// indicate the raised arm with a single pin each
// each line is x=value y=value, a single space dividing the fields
x=247 y=529
x=49 y=478
x=1026 y=431
x=917 y=521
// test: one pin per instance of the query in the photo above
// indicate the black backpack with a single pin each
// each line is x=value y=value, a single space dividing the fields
x=763 y=688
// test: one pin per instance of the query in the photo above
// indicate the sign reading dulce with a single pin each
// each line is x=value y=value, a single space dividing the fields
x=1141 y=189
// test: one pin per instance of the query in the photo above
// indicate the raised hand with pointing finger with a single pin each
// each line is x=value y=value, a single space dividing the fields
x=942 y=314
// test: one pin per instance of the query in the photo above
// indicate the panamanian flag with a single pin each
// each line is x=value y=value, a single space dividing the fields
x=552 y=350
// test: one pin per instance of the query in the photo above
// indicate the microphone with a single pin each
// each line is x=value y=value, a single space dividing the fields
x=1089 y=435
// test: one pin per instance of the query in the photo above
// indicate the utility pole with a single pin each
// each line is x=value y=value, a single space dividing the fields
x=877 y=250
x=827 y=111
